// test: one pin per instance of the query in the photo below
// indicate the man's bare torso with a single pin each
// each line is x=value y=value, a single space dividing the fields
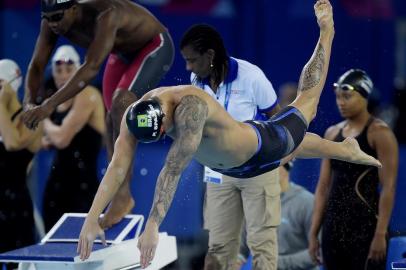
x=136 y=25
x=225 y=143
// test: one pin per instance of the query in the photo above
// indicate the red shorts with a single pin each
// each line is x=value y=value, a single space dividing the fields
x=140 y=72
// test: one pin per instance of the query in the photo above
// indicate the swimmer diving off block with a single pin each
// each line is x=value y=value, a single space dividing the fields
x=203 y=130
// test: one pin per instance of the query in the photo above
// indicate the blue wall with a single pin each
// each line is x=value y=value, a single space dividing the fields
x=279 y=36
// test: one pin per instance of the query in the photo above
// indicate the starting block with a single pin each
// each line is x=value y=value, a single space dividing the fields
x=400 y=265
x=57 y=250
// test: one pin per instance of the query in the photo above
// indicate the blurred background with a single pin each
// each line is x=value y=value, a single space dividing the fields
x=279 y=37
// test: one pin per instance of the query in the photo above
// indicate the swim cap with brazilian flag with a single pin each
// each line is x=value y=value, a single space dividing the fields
x=144 y=120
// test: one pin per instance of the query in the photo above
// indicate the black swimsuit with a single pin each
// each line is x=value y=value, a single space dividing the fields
x=73 y=181
x=349 y=222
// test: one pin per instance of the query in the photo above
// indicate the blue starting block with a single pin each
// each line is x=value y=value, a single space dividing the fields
x=400 y=265
x=57 y=250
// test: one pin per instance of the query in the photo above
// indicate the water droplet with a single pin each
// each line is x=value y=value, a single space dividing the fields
x=144 y=171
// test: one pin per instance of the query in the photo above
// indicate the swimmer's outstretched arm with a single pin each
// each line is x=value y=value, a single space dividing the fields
x=189 y=119
x=44 y=46
x=112 y=180
x=100 y=47
x=313 y=146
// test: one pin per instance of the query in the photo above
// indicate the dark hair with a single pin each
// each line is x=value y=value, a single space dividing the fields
x=202 y=37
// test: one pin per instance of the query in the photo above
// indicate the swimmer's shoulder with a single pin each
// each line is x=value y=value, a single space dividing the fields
x=103 y=6
x=378 y=129
x=378 y=125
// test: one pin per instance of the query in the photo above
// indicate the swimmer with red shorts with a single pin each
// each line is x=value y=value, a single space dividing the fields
x=139 y=51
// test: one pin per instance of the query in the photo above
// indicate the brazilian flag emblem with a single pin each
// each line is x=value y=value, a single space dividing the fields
x=142 y=120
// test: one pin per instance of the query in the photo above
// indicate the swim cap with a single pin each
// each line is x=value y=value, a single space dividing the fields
x=144 y=120
x=11 y=73
x=357 y=80
x=66 y=54
x=54 y=5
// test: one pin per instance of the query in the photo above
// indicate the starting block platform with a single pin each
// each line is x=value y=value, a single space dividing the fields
x=400 y=265
x=57 y=250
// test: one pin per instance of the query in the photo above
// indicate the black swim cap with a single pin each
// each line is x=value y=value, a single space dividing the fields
x=144 y=120
x=357 y=80
x=55 y=5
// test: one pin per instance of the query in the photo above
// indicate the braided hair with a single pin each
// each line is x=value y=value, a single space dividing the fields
x=202 y=37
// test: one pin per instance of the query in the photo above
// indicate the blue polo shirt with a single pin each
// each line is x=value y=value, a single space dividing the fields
x=250 y=92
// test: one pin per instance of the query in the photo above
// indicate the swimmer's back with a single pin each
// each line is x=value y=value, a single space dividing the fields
x=217 y=117
x=136 y=26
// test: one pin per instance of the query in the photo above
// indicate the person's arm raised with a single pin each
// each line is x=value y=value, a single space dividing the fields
x=189 y=119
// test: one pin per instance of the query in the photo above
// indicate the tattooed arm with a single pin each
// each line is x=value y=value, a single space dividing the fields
x=189 y=119
x=314 y=72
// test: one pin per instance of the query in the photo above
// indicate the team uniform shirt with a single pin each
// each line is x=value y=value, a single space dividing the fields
x=246 y=93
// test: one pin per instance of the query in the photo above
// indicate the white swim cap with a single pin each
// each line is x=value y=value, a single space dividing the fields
x=11 y=73
x=66 y=54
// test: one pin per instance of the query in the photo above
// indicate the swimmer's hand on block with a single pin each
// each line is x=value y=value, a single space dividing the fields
x=90 y=231
x=148 y=243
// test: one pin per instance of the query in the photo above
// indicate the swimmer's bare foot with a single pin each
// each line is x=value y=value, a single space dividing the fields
x=356 y=155
x=121 y=205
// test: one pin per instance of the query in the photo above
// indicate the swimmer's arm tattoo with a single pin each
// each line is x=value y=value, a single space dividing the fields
x=313 y=71
x=189 y=119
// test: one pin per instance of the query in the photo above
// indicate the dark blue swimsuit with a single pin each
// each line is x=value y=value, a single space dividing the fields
x=277 y=138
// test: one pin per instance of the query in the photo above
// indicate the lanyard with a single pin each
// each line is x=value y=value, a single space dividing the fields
x=227 y=96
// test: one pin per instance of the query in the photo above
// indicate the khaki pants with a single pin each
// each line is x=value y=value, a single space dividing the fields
x=257 y=200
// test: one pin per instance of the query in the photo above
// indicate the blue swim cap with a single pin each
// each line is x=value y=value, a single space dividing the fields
x=144 y=120
x=55 y=5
